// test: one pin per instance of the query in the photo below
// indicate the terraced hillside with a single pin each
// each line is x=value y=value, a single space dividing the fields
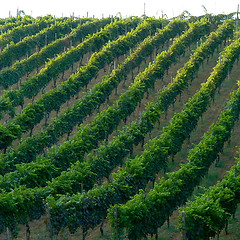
x=114 y=124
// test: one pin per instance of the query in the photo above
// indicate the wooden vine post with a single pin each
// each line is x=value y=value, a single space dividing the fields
x=49 y=226
x=102 y=227
x=28 y=232
x=84 y=234
x=226 y=227
x=155 y=54
x=115 y=223
x=8 y=234
x=183 y=226
x=156 y=234
x=46 y=118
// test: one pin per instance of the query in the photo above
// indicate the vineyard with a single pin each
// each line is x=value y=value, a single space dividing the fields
x=119 y=128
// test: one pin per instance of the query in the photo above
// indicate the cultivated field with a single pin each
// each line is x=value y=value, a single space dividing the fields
x=119 y=128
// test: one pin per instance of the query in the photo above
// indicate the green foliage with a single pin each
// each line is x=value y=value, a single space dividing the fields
x=88 y=209
x=125 y=183
x=63 y=184
x=76 y=114
x=168 y=194
x=208 y=214
x=19 y=69
x=67 y=88
x=34 y=34
x=8 y=134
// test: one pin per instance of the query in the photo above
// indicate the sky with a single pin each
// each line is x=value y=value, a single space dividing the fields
x=127 y=8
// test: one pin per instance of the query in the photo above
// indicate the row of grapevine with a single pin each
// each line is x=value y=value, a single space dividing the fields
x=16 y=51
x=66 y=149
x=25 y=66
x=33 y=113
x=107 y=157
x=208 y=214
x=18 y=33
x=23 y=27
x=134 y=94
x=145 y=213
x=52 y=189
x=65 y=121
x=64 y=61
x=110 y=156
x=30 y=210
x=4 y=21
x=89 y=208
x=19 y=20
x=9 y=25
x=11 y=40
